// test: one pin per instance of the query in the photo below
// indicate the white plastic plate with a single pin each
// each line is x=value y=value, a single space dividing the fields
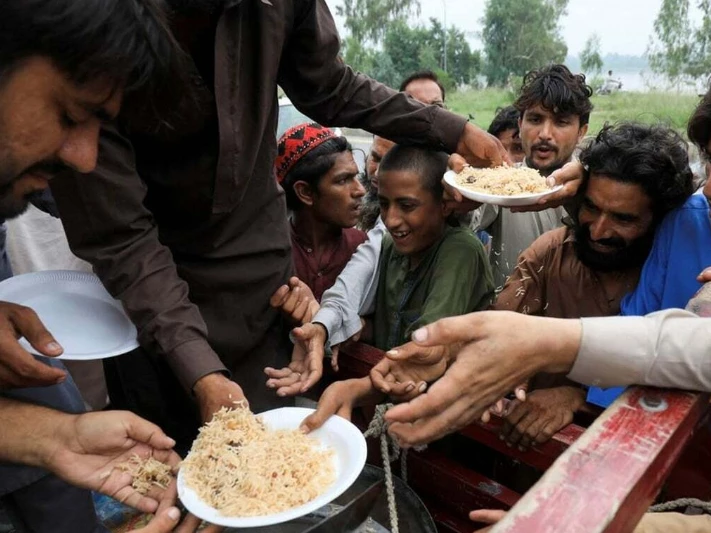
x=337 y=433
x=450 y=177
x=77 y=310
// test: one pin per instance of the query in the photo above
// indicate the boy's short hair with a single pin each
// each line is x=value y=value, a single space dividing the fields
x=506 y=119
x=558 y=90
x=429 y=165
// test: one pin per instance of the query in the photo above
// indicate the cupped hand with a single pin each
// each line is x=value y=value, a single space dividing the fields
x=306 y=367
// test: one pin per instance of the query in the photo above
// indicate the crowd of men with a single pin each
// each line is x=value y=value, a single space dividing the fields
x=148 y=129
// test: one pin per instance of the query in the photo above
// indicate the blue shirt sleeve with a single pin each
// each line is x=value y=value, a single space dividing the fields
x=647 y=297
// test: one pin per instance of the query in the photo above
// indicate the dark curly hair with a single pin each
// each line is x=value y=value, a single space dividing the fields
x=506 y=119
x=557 y=90
x=312 y=167
x=126 y=43
x=653 y=157
x=699 y=127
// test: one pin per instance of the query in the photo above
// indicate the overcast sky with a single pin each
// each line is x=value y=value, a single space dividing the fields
x=624 y=26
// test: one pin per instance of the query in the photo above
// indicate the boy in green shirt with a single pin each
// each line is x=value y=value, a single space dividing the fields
x=429 y=269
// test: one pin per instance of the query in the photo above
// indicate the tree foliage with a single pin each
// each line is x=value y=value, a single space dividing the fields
x=521 y=35
x=368 y=20
x=590 y=59
x=677 y=49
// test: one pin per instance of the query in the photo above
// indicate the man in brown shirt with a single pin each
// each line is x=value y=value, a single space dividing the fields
x=185 y=222
x=636 y=174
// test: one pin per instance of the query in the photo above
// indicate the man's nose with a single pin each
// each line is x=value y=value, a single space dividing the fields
x=81 y=147
x=358 y=190
x=546 y=129
x=600 y=229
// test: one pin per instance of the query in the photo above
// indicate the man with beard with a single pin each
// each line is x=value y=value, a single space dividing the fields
x=555 y=106
x=186 y=223
x=636 y=175
x=66 y=66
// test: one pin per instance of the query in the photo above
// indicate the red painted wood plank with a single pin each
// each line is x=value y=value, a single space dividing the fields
x=443 y=480
x=606 y=480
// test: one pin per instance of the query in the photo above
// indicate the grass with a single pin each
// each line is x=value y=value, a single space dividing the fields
x=671 y=109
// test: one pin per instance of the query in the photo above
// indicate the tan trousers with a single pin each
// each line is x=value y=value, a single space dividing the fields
x=674 y=523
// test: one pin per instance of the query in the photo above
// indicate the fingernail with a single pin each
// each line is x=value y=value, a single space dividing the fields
x=409 y=387
x=423 y=387
x=508 y=444
x=54 y=346
x=61 y=379
x=550 y=181
x=392 y=352
x=420 y=335
x=173 y=513
x=304 y=428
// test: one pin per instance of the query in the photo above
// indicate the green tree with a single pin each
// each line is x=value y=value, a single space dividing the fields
x=590 y=60
x=670 y=52
x=368 y=20
x=521 y=35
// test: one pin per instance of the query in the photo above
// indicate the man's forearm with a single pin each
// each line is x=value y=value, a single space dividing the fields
x=665 y=349
x=29 y=432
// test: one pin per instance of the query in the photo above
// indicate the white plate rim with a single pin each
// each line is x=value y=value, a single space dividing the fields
x=76 y=276
x=334 y=423
x=506 y=201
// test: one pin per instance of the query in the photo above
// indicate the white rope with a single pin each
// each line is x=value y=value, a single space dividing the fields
x=681 y=502
x=390 y=451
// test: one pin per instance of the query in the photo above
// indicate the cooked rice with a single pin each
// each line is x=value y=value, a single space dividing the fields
x=147 y=473
x=502 y=181
x=242 y=468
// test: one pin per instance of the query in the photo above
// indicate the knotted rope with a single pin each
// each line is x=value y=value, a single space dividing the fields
x=681 y=502
x=390 y=451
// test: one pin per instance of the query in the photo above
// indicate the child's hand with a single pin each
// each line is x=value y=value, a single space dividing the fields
x=296 y=300
x=404 y=372
x=306 y=366
x=338 y=399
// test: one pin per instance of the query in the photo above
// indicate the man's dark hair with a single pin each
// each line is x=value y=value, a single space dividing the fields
x=653 y=157
x=699 y=127
x=126 y=43
x=558 y=90
x=506 y=119
x=423 y=75
x=312 y=167
x=429 y=165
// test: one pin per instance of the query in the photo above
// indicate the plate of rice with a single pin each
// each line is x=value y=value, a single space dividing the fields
x=505 y=186
x=247 y=470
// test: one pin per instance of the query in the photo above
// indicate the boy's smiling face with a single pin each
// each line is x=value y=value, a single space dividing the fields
x=412 y=214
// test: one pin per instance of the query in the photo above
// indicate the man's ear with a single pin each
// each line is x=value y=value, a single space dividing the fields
x=304 y=193
x=582 y=132
x=447 y=208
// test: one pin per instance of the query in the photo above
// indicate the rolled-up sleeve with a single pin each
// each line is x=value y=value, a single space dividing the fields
x=665 y=349
x=108 y=225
